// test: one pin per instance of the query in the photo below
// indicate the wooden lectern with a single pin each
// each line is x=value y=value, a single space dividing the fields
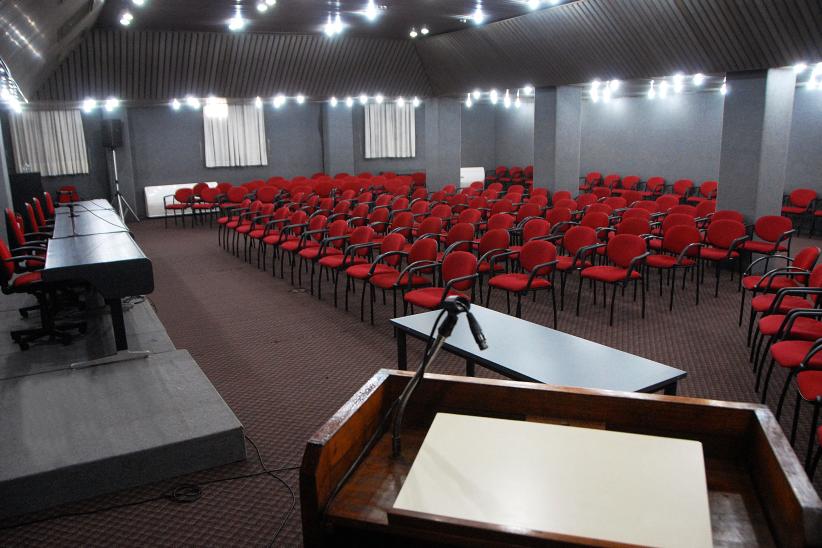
x=758 y=492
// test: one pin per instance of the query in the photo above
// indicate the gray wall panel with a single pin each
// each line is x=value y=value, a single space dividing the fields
x=805 y=153
x=397 y=165
x=478 y=136
x=675 y=138
x=515 y=135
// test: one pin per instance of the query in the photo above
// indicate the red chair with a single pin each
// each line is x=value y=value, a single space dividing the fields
x=611 y=181
x=601 y=192
x=492 y=244
x=537 y=259
x=800 y=324
x=391 y=248
x=705 y=209
x=729 y=215
x=793 y=274
x=627 y=253
x=707 y=191
x=585 y=200
x=809 y=388
x=278 y=231
x=561 y=195
x=566 y=203
x=591 y=179
x=421 y=260
x=309 y=237
x=654 y=186
x=636 y=212
x=207 y=203
x=684 y=209
x=457 y=274
x=682 y=189
x=799 y=205
x=459 y=237
x=67 y=193
x=665 y=202
x=774 y=233
x=631 y=182
x=531 y=229
x=724 y=240
x=795 y=357
x=680 y=251
x=180 y=201
x=357 y=246
x=578 y=243
x=330 y=244
x=49 y=202
x=560 y=219
x=42 y=219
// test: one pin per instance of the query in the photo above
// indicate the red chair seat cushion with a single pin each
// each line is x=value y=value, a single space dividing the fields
x=566 y=262
x=177 y=206
x=257 y=233
x=716 y=253
x=428 y=297
x=27 y=279
x=336 y=261
x=485 y=267
x=244 y=228
x=293 y=244
x=517 y=282
x=806 y=329
x=609 y=274
x=778 y=282
x=274 y=238
x=810 y=386
x=655 y=244
x=794 y=210
x=762 y=247
x=791 y=353
x=360 y=271
x=390 y=279
x=203 y=205
x=311 y=253
x=35 y=263
x=666 y=261
x=226 y=205
x=762 y=303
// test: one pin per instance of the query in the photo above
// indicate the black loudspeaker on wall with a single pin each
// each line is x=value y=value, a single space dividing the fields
x=112 y=133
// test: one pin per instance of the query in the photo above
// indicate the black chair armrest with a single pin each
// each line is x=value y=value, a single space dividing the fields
x=491 y=254
x=535 y=272
x=453 y=281
x=789 y=260
x=639 y=259
x=794 y=291
x=687 y=252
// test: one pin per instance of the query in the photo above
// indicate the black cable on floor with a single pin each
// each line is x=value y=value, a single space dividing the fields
x=186 y=493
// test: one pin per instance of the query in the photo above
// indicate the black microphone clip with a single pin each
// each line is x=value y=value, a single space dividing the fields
x=455 y=306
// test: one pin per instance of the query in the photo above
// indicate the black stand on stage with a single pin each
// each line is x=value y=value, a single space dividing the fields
x=119 y=200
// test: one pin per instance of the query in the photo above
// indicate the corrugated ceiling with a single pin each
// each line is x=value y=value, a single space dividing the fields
x=625 y=39
x=159 y=65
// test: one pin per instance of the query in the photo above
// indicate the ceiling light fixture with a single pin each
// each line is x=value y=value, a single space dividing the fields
x=300 y=99
x=553 y=2
x=15 y=105
x=138 y=3
x=400 y=102
x=192 y=102
x=371 y=12
x=724 y=89
x=349 y=102
x=493 y=96
x=338 y=24
x=413 y=33
x=528 y=90
x=258 y=102
x=595 y=91
x=237 y=23
x=799 y=68
x=270 y=2
x=424 y=30
x=262 y=7
x=379 y=98
x=478 y=16
x=468 y=102
x=278 y=101
x=477 y=94
x=506 y=101
x=652 y=91
x=416 y=102
x=333 y=102
x=89 y=105
x=111 y=104
x=678 y=78
x=698 y=79
x=363 y=99
x=126 y=18
x=175 y=104
x=517 y=102
x=613 y=85
x=533 y=4
x=328 y=28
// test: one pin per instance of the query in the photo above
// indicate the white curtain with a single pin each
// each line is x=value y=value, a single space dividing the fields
x=49 y=141
x=389 y=131
x=234 y=135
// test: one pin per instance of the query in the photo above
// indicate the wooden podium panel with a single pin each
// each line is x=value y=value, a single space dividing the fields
x=553 y=480
x=758 y=491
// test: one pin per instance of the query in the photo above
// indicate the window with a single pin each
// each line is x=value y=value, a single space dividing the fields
x=389 y=131
x=234 y=134
x=49 y=141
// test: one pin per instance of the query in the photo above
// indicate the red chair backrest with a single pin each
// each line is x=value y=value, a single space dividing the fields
x=67 y=193
x=535 y=228
x=666 y=202
x=267 y=194
x=708 y=189
x=297 y=218
x=198 y=188
x=806 y=258
x=469 y=215
x=623 y=248
x=595 y=220
x=49 y=203
x=342 y=206
x=335 y=229
x=383 y=199
x=599 y=208
x=392 y=242
x=703 y=209
x=723 y=232
x=802 y=197
x=561 y=195
x=494 y=239
x=601 y=192
x=538 y=199
x=677 y=219
x=630 y=182
x=771 y=227
x=210 y=194
x=361 y=235
x=536 y=253
x=419 y=193
x=569 y=203
x=400 y=202
x=33 y=224
x=539 y=192
x=424 y=249
x=235 y=194
x=224 y=187
x=593 y=177
x=379 y=216
x=15 y=225
x=443 y=211
x=682 y=186
x=727 y=214
x=360 y=214
x=183 y=195
x=500 y=220
x=684 y=208
x=404 y=219
x=456 y=265
x=38 y=209
x=449 y=189
x=502 y=206
x=558 y=215
x=317 y=222
x=655 y=184
x=632 y=196
x=430 y=225
x=460 y=232
x=648 y=205
x=634 y=225
x=585 y=199
x=616 y=202
x=578 y=237
x=528 y=210
x=611 y=180
x=7 y=270
x=680 y=237
x=636 y=212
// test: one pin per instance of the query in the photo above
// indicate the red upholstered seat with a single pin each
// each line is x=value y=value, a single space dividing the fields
x=794 y=210
x=666 y=261
x=803 y=328
x=791 y=353
x=361 y=271
x=336 y=261
x=763 y=247
x=313 y=252
x=566 y=262
x=778 y=282
x=608 y=273
x=27 y=278
x=390 y=279
x=762 y=303
x=810 y=386
x=293 y=243
x=518 y=282
x=717 y=253
x=177 y=206
x=429 y=297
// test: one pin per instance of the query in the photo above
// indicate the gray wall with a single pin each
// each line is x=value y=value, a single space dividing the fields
x=675 y=138
x=493 y=135
x=804 y=168
x=397 y=165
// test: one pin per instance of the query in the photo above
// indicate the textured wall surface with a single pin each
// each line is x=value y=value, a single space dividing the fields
x=805 y=153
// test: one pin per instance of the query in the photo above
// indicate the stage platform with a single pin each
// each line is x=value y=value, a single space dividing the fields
x=70 y=434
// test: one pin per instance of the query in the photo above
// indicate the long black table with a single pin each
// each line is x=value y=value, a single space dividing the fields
x=88 y=205
x=104 y=255
x=525 y=351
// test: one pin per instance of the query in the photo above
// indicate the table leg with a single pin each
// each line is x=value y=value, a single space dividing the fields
x=118 y=323
x=402 y=353
x=470 y=369
x=670 y=389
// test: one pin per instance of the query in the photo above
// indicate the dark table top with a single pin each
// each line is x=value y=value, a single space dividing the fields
x=87 y=222
x=113 y=263
x=526 y=351
x=95 y=205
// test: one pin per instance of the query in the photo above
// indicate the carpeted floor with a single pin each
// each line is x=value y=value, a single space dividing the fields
x=285 y=362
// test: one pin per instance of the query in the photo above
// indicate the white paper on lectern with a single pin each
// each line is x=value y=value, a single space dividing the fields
x=575 y=481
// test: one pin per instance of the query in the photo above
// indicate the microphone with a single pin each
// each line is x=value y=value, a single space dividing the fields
x=456 y=305
x=476 y=331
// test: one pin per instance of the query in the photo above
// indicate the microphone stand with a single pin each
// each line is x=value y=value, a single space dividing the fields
x=454 y=306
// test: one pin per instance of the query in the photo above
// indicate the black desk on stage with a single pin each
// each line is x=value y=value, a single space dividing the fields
x=98 y=249
x=525 y=351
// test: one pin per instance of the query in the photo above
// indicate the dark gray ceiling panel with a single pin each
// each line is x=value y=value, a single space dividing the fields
x=588 y=39
x=159 y=65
